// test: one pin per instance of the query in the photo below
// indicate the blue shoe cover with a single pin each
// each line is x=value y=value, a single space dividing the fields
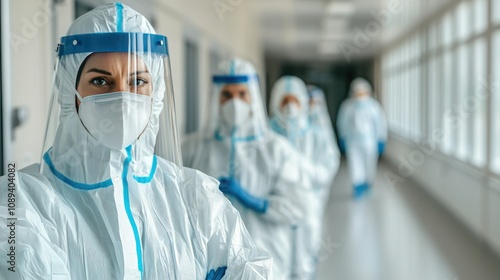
x=360 y=190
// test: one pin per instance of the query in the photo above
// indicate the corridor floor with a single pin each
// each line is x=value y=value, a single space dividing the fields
x=397 y=233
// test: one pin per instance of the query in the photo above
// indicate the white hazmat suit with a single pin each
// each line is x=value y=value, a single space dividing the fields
x=318 y=147
x=239 y=148
x=362 y=131
x=101 y=205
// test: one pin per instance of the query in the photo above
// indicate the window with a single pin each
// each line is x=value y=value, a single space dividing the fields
x=447 y=29
x=434 y=94
x=479 y=109
x=391 y=115
x=480 y=15
x=446 y=114
x=399 y=103
x=439 y=89
x=393 y=123
x=406 y=104
x=462 y=20
x=393 y=104
x=417 y=115
x=432 y=37
x=496 y=11
x=460 y=113
x=495 y=117
x=410 y=105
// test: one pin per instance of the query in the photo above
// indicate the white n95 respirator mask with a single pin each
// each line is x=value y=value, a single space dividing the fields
x=115 y=119
x=235 y=112
x=291 y=111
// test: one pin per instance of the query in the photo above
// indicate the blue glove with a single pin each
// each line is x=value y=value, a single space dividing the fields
x=342 y=146
x=232 y=187
x=217 y=275
x=381 y=147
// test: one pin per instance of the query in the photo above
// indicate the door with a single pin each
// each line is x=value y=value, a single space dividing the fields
x=191 y=86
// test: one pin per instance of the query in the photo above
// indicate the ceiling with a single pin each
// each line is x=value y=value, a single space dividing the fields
x=318 y=30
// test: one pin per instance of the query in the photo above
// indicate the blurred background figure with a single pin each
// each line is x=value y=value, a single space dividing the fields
x=308 y=131
x=326 y=154
x=289 y=110
x=257 y=169
x=319 y=116
x=363 y=133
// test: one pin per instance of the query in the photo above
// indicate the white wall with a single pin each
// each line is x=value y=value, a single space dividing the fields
x=472 y=197
x=32 y=54
x=234 y=35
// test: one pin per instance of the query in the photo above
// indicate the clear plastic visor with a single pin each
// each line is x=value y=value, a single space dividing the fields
x=110 y=89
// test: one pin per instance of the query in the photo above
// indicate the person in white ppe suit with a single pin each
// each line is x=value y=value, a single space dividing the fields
x=362 y=131
x=319 y=117
x=292 y=118
x=258 y=169
x=101 y=205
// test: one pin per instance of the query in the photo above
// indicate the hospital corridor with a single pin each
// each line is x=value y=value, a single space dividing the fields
x=400 y=232
x=250 y=139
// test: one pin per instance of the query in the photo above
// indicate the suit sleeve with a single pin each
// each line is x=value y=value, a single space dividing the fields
x=230 y=250
x=26 y=245
x=291 y=195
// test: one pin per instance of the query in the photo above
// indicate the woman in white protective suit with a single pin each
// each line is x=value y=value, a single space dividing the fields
x=101 y=205
x=319 y=117
x=258 y=169
x=290 y=117
x=362 y=131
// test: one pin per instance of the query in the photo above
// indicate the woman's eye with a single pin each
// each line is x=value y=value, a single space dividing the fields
x=138 y=82
x=99 y=82
x=243 y=93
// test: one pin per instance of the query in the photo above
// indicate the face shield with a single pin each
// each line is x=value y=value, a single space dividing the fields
x=317 y=101
x=108 y=97
x=289 y=103
x=319 y=115
x=236 y=108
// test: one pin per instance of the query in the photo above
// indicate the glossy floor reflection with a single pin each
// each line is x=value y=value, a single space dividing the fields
x=397 y=234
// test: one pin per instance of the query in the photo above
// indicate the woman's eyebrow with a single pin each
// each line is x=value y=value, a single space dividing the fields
x=138 y=73
x=99 y=71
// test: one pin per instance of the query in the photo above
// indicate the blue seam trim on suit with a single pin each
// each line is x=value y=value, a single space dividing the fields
x=76 y=185
x=145 y=180
x=119 y=17
x=126 y=199
x=231 y=70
